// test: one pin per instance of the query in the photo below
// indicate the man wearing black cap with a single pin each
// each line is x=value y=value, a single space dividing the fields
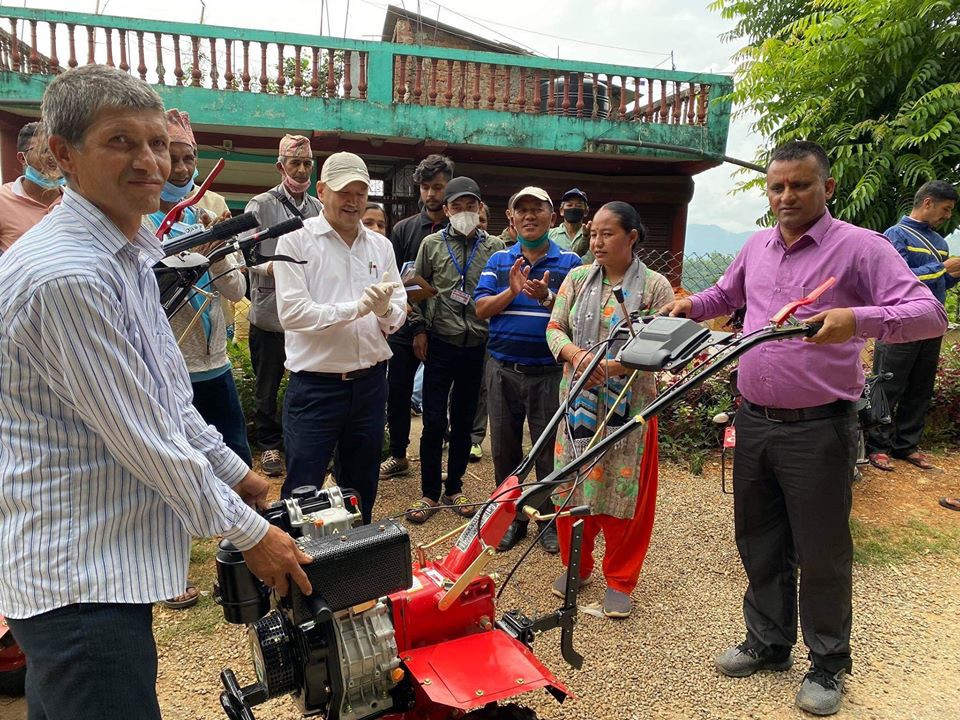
x=451 y=341
x=569 y=234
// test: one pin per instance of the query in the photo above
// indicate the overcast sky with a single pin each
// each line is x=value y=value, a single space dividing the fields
x=627 y=32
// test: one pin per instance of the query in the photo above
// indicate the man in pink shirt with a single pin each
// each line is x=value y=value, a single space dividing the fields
x=796 y=430
x=25 y=201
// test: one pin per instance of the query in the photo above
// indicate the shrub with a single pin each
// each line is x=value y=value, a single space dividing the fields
x=687 y=433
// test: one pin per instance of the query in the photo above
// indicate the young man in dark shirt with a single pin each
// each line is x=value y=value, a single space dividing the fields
x=432 y=175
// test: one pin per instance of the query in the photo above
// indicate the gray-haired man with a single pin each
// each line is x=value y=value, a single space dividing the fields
x=106 y=469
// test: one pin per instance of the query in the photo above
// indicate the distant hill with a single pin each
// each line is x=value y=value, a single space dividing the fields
x=702 y=239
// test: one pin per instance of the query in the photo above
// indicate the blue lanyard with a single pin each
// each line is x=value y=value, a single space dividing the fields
x=463 y=270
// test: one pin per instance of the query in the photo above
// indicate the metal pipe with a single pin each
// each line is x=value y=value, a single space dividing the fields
x=683 y=150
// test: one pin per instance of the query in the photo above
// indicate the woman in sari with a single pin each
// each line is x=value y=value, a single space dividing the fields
x=621 y=489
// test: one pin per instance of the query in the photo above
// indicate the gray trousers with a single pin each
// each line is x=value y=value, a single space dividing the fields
x=792 y=498
x=513 y=397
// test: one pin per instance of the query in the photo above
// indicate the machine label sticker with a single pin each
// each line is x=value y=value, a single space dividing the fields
x=473 y=529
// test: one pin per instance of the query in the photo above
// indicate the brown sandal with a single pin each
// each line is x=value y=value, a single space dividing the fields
x=919 y=460
x=460 y=505
x=422 y=510
x=881 y=461
x=950 y=503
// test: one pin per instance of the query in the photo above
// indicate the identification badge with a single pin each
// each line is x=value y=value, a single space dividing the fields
x=459 y=296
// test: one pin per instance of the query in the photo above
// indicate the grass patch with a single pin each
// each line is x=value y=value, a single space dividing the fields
x=204 y=618
x=883 y=545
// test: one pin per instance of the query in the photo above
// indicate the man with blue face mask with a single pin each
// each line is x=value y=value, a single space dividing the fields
x=25 y=201
x=203 y=341
x=451 y=341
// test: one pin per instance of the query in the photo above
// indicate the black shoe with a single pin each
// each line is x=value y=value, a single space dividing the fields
x=548 y=538
x=515 y=533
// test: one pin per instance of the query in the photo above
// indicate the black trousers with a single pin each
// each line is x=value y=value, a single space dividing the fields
x=456 y=373
x=513 y=397
x=909 y=392
x=90 y=661
x=480 y=419
x=403 y=368
x=792 y=498
x=267 y=355
x=320 y=414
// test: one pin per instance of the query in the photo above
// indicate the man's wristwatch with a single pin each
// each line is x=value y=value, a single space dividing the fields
x=548 y=300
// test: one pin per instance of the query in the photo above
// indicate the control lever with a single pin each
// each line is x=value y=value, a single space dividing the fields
x=618 y=294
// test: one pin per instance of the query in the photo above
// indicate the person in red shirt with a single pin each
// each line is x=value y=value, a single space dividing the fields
x=25 y=201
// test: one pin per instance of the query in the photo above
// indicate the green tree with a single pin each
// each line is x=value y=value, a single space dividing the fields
x=876 y=82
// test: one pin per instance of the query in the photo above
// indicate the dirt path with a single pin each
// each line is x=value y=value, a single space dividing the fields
x=658 y=663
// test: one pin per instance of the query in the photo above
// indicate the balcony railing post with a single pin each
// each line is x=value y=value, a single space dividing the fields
x=702 y=104
x=448 y=93
x=34 y=55
x=663 y=102
x=214 y=70
x=281 y=74
x=567 y=77
x=54 y=66
x=507 y=78
x=315 y=73
x=400 y=73
x=347 y=82
x=362 y=86
x=580 y=94
x=160 y=69
x=432 y=94
x=676 y=102
x=418 y=83
x=109 y=32
x=245 y=77
x=195 y=73
x=537 y=95
x=551 y=99
x=124 y=65
x=331 y=77
x=14 y=46
x=72 y=41
x=91 y=44
x=522 y=91
x=142 y=64
x=264 y=79
x=298 y=71
x=178 y=69
x=228 y=76
x=491 y=86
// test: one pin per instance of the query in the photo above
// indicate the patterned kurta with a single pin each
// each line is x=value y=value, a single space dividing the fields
x=611 y=486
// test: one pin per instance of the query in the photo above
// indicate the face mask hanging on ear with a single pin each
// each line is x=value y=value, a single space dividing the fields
x=465 y=222
x=34 y=176
x=176 y=193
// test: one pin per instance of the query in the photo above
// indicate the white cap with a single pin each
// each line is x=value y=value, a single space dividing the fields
x=534 y=192
x=343 y=168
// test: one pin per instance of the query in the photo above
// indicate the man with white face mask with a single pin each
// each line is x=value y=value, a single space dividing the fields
x=451 y=341
x=25 y=201
x=287 y=200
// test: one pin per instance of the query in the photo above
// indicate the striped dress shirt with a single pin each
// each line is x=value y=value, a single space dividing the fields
x=106 y=469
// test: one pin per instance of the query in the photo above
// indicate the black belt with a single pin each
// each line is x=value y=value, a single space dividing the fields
x=352 y=375
x=531 y=369
x=818 y=412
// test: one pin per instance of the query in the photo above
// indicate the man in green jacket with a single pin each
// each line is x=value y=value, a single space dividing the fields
x=451 y=342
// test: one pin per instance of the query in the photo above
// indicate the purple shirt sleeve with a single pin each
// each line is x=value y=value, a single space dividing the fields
x=902 y=309
x=728 y=294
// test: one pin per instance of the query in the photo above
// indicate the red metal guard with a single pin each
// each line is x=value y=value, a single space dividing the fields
x=790 y=308
x=176 y=212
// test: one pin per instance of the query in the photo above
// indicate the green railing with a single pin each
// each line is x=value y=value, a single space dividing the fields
x=254 y=61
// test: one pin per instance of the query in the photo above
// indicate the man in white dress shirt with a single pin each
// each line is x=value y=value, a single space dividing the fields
x=106 y=469
x=336 y=312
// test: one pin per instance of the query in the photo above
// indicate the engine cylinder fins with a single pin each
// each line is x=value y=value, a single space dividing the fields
x=273 y=654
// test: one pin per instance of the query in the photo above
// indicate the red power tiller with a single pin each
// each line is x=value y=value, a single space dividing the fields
x=401 y=637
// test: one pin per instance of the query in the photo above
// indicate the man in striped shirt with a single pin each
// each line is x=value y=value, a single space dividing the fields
x=106 y=469
x=516 y=292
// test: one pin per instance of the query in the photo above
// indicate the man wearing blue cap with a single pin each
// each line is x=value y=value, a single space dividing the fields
x=569 y=234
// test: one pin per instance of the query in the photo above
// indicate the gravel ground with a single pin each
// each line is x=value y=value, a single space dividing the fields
x=658 y=663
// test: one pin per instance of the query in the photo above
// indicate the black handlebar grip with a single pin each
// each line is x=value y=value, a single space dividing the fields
x=618 y=293
x=813 y=328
